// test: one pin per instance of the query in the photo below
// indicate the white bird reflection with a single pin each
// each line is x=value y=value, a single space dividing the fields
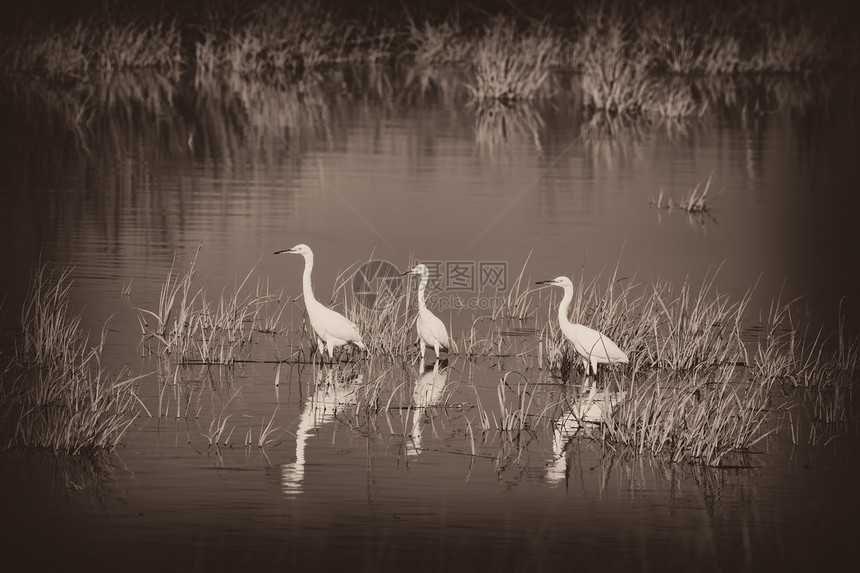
x=427 y=393
x=334 y=390
x=589 y=409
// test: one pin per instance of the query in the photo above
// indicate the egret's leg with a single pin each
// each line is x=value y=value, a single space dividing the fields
x=320 y=350
x=328 y=348
x=423 y=350
x=436 y=349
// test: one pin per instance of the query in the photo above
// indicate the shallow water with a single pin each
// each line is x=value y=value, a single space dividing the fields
x=395 y=165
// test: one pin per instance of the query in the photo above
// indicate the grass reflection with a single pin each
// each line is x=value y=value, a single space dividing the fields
x=499 y=126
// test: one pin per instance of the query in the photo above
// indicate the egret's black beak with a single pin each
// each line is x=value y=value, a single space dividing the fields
x=544 y=282
x=406 y=273
x=284 y=251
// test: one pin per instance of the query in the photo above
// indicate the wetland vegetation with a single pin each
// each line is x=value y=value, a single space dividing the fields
x=705 y=379
x=156 y=377
x=623 y=52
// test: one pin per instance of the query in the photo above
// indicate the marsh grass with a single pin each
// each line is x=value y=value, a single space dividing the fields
x=499 y=123
x=698 y=417
x=50 y=330
x=685 y=41
x=699 y=388
x=519 y=301
x=612 y=306
x=438 y=43
x=292 y=35
x=510 y=65
x=793 y=48
x=618 y=76
x=191 y=327
x=697 y=200
x=708 y=417
x=56 y=394
x=95 y=46
x=387 y=327
x=508 y=48
x=696 y=328
x=616 y=71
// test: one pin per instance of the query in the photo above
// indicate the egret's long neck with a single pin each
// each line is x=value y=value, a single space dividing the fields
x=422 y=284
x=564 y=306
x=307 y=289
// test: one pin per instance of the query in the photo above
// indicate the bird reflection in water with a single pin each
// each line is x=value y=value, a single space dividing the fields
x=335 y=389
x=588 y=409
x=428 y=392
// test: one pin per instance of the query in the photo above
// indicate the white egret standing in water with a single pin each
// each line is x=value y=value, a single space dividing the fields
x=332 y=329
x=431 y=330
x=594 y=347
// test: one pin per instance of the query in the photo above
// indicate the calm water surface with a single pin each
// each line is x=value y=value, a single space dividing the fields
x=398 y=165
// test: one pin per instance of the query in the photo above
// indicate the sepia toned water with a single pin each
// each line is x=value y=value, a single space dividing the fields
x=118 y=178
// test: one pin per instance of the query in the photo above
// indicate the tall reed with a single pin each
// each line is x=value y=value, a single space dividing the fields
x=95 y=46
x=512 y=65
x=438 y=43
x=191 y=327
x=616 y=70
x=57 y=395
x=699 y=417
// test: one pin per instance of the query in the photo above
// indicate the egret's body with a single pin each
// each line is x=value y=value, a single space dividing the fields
x=331 y=328
x=431 y=330
x=593 y=347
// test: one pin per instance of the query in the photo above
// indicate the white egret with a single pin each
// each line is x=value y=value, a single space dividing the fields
x=431 y=330
x=332 y=329
x=594 y=347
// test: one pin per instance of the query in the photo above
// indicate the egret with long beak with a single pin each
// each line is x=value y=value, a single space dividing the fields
x=331 y=328
x=594 y=348
x=431 y=330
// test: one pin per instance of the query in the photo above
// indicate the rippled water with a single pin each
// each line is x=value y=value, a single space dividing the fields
x=397 y=164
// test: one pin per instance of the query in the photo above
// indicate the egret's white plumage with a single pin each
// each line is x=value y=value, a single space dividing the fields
x=594 y=347
x=332 y=329
x=431 y=330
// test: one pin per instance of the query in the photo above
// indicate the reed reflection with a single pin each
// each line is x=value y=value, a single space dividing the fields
x=429 y=391
x=336 y=388
x=499 y=125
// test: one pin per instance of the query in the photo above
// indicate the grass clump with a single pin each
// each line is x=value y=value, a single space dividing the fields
x=193 y=328
x=55 y=394
x=696 y=200
x=616 y=71
x=794 y=48
x=510 y=47
x=618 y=75
x=442 y=43
x=510 y=65
x=94 y=46
x=293 y=35
x=683 y=40
x=700 y=417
